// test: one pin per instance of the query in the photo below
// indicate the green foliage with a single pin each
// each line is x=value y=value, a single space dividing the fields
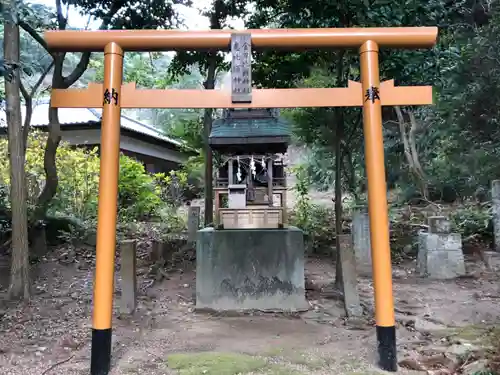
x=133 y=14
x=303 y=204
x=219 y=13
x=317 y=222
x=461 y=67
x=189 y=130
x=167 y=225
x=140 y=194
x=463 y=132
x=172 y=186
x=473 y=220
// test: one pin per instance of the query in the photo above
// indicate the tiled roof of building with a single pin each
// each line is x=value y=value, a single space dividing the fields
x=79 y=116
x=250 y=128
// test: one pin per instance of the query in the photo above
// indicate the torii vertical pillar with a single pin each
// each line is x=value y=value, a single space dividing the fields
x=377 y=206
x=107 y=211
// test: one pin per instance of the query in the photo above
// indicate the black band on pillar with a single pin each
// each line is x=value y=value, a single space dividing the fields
x=101 y=352
x=386 y=339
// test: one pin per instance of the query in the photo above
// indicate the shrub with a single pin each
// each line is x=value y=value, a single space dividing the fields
x=473 y=220
x=78 y=173
x=140 y=194
x=317 y=222
x=172 y=187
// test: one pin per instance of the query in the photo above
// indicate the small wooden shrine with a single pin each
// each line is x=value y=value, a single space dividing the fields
x=250 y=186
x=251 y=259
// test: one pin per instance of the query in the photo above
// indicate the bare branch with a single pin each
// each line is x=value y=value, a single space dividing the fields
x=80 y=68
x=85 y=59
x=34 y=34
x=61 y=20
x=28 y=98
x=67 y=10
x=24 y=92
x=57 y=364
x=88 y=22
x=35 y=87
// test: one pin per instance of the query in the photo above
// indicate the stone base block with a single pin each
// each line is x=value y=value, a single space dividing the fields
x=440 y=256
x=250 y=269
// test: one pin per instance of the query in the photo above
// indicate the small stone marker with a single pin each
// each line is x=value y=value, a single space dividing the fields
x=361 y=240
x=495 y=197
x=349 y=277
x=440 y=253
x=128 y=276
x=193 y=223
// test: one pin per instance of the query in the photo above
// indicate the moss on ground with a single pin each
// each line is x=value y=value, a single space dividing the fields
x=473 y=333
x=213 y=363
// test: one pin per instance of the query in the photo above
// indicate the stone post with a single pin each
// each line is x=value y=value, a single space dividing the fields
x=361 y=239
x=193 y=223
x=349 y=277
x=440 y=253
x=128 y=277
x=495 y=197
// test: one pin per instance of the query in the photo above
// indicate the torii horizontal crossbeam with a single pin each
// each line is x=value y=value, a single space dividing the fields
x=350 y=96
x=289 y=39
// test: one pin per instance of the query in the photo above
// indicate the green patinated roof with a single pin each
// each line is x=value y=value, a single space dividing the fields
x=256 y=127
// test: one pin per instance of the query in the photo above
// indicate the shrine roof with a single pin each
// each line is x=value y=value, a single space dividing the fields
x=250 y=128
x=255 y=130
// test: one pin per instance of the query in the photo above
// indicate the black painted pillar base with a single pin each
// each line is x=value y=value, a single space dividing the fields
x=386 y=342
x=100 y=354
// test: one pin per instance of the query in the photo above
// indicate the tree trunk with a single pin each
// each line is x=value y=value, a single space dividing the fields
x=338 y=193
x=19 y=283
x=410 y=150
x=339 y=135
x=414 y=152
x=49 y=158
x=207 y=128
x=350 y=173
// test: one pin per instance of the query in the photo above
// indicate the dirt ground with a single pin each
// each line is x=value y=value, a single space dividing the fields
x=51 y=334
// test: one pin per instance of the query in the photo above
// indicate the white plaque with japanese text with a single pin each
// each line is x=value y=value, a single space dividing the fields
x=241 y=68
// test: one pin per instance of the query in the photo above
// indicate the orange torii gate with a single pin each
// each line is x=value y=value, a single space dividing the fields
x=371 y=94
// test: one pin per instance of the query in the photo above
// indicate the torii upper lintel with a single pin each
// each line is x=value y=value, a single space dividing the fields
x=288 y=39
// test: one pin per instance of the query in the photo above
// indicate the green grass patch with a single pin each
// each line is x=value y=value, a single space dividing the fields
x=473 y=333
x=212 y=363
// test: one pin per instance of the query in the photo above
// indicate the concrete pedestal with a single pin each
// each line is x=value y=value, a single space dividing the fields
x=247 y=269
